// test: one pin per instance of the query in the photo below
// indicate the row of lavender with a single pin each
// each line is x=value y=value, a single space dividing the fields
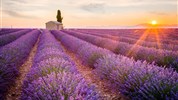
x=7 y=38
x=7 y=31
x=12 y=56
x=135 y=79
x=168 y=36
x=54 y=76
x=131 y=40
x=160 y=57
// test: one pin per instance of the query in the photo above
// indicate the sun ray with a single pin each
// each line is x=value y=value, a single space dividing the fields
x=156 y=32
x=152 y=33
x=139 y=41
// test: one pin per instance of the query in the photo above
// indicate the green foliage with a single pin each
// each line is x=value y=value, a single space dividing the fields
x=167 y=60
x=117 y=50
x=93 y=58
x=5 y=59
x=175 y=64
x=59 y=18
x=151 y=58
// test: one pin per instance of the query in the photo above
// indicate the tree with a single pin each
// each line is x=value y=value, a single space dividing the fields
x=59 y=18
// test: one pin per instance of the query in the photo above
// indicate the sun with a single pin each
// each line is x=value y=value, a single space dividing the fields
x=153 y=22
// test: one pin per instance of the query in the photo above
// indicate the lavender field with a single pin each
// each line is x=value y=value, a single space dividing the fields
x=89 y=64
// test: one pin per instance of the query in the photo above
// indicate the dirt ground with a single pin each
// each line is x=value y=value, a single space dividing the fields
x=15 y=91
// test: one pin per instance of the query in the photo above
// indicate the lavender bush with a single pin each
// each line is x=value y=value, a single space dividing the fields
x=138 y=80
x=50 y=65
x=7 y=31
x=12 y=56
x=166 y=36
x=7 y=38
x=160 y=57
x=135 y=79
x=50 y=53
x=129 y=39
x=54 y=76
x=83 y=49
x=60 y=86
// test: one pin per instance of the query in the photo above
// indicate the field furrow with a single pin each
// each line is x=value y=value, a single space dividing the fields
x=12 y=56
x=134 y=79
x=88 y=64
x=14 y=92
x=131 y=40
x=87 y=73
x=160 y=57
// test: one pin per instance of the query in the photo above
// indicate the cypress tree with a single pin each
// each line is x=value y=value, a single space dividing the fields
x=59 y=18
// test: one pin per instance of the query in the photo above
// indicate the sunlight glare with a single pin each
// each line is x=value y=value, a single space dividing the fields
x=153 y=22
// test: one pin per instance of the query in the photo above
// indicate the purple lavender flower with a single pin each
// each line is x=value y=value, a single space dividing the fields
x=60 y=86
x=50 y=65
x=12 y=56
x=89 y=54
x=137 y=80
x=7 y=31
x=158 y=56
x=54 y=76
x=7 y=38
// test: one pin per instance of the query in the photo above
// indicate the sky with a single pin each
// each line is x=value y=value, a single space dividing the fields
x=85 y=13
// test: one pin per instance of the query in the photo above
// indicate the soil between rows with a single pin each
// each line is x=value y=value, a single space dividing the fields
x=86 y=72
x=15 y=90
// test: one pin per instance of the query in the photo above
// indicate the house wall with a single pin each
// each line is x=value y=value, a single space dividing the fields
x=53 y=26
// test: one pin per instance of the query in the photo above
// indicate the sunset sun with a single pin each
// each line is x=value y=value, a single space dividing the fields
x=153 y=22
x=88 y=50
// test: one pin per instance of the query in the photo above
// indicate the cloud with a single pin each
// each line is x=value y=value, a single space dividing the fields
x=93 y=7
x=158 y=13
x=87 y=10
x=16 y=14
x=19 y=1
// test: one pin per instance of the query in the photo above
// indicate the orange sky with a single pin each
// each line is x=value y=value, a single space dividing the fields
x=83 y=13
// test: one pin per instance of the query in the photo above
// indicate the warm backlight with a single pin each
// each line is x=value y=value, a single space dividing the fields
x=153 y=22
